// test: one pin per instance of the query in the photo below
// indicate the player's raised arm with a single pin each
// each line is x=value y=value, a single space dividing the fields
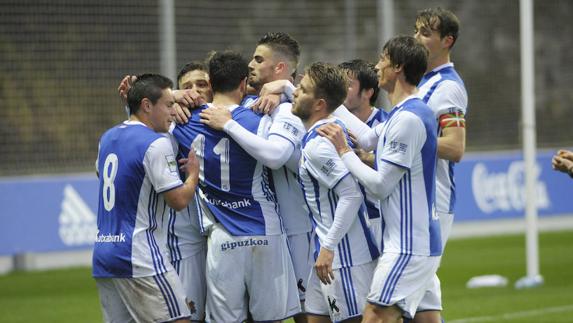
x=273 y=151
x=381 y=183
x=181 y=196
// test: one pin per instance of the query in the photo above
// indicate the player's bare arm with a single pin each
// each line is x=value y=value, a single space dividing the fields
x=452 y=143
x=180 y=197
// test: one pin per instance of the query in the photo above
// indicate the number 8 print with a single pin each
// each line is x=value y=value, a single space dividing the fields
x=108 y=179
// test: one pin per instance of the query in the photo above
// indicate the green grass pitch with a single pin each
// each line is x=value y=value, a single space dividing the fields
x=70 y=295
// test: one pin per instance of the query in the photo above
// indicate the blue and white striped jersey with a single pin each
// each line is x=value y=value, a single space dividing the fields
x=321 y=169
x=184 y=237
x=289 y=194
x=408 y=140
x=376 y=117
x=444 y=92
x=237 y=189
x=135 y=165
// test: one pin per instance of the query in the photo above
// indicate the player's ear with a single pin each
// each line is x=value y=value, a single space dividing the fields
x=146 y=105
x=243 y=86
x=368 y=93
x=280 y=67
x=320 y=105
x=448 y=41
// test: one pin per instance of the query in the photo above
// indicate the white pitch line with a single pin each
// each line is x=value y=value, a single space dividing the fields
x=514 y=315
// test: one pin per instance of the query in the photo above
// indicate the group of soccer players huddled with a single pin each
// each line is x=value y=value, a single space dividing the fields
x=240 y=197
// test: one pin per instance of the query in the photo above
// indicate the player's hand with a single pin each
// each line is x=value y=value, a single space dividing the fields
x=125 y=85
x=565 y=154
x=190 y=165
x=323 y=266
x=274 y=87
x=215 y=117
x=335 y=134
x=188 y=98
x=266 y=104
x=353 y=139
x=561 y=164
x=182 y=114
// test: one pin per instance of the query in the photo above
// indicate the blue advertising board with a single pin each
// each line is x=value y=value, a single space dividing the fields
x=492 y=186
x=48 y=213
x=58 y=213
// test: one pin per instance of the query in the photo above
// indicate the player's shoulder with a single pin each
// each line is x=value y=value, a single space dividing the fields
x=414 y=112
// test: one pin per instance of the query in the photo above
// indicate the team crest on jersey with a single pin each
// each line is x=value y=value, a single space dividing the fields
x=171 y=163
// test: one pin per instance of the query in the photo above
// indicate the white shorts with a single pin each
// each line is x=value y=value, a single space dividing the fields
x=302 y=260
x=252 y=273
x=345 y=297
x=191 y=271
x=402 y=280
x=432 y=300
x=158 y=298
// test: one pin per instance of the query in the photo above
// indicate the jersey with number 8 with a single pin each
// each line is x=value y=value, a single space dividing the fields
x=236 y=188
x=135 y=165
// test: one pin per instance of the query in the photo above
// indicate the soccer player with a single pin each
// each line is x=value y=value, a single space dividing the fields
x=362 y=94
x=248 y=262
x=276 y=58
x=404 y=181
x=345 y=249
x=444 y=92
x=187 y=245
x=139 y=181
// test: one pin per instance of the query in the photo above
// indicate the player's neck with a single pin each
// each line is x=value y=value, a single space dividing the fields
x=363 y=113
x=308 y=123
x=134 y=117
x=401 y=91
x=438 y=61
x=227 y=98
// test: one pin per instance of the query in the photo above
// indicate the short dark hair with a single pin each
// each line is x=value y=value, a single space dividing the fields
x=330 y=83
x=366 y=75
x=283 y=44
x=148 y=86
x=441 y=20
x=407 y=52
x=227 y=70
x=191 y=66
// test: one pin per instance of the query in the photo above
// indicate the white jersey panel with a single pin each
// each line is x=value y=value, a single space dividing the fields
x=444 y=92
x=408 y=140
x=288 y=190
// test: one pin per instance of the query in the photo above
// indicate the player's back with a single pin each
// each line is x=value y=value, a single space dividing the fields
x=131 y=238
x=409 y=141
x=320 y=171
x=236 y=188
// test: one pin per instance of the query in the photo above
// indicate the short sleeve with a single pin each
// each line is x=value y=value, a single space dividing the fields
x=160 y=165
x=323 y=162
x=449 y=97
x=403 y=139
x=287 y=125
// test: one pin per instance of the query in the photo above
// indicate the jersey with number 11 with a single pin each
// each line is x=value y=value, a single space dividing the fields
x=234 y=187
x=135 y=165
